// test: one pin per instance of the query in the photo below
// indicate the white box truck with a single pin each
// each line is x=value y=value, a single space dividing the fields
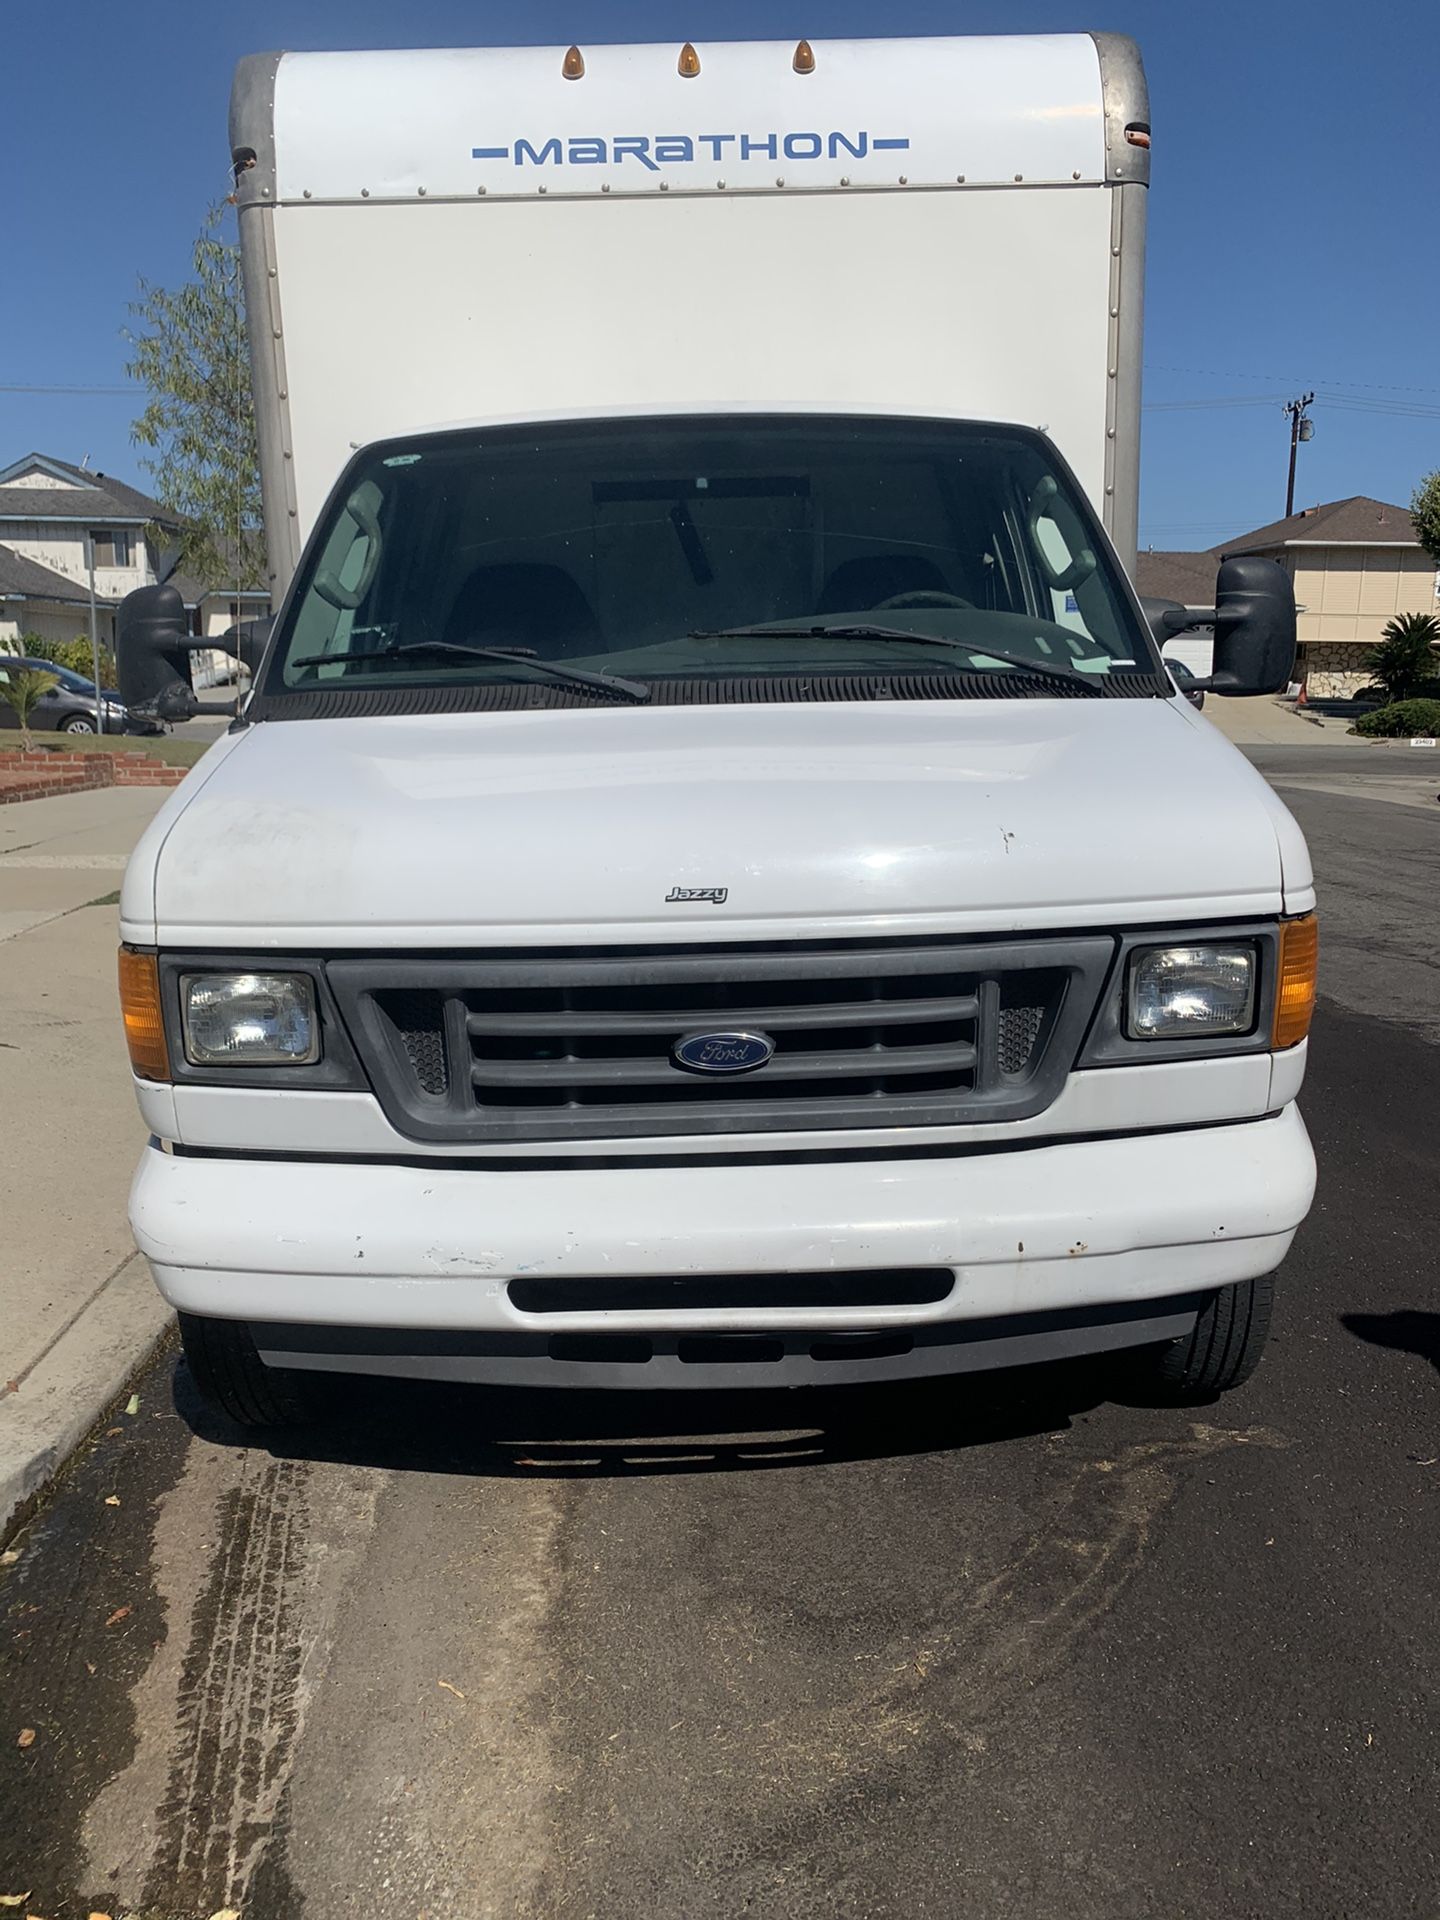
x=712 y=884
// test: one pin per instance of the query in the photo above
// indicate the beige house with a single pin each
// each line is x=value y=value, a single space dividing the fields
x=53 y=518
x=1356 y=563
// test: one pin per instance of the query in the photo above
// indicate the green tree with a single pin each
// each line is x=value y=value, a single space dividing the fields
x=75 y=654
x=1406 y=659
x=189 y=353
x=1425 y=513
x=23 y=688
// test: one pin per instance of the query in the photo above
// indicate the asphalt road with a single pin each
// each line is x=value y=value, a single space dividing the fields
x=1016 y=1649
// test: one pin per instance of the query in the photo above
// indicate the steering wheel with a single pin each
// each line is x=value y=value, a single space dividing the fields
x=922 y=597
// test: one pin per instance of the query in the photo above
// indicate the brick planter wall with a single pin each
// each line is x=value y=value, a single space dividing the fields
x=40 y=774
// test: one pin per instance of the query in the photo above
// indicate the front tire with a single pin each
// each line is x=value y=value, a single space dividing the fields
x=1222 y=1352
x=79 y=723
x=232 y=1378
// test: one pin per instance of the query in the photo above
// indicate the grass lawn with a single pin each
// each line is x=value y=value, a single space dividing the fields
x=160 y=746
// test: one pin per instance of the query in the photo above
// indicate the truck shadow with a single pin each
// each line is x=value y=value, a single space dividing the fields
x=1409 y=1331
x=422 y=1427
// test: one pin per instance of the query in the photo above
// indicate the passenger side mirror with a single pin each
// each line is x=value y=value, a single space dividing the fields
x=1254 y=622
x=152 y=654
x=153 y=645
x=251 y=639
x=1254 y=627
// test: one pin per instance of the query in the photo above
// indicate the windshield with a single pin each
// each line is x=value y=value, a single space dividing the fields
x=72 y=682
x=711 y=554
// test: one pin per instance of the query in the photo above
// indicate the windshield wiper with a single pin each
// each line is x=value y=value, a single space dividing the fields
x=633 y=690
x=851 y=630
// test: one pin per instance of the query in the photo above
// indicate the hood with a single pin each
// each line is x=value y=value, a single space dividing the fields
x=569 y=826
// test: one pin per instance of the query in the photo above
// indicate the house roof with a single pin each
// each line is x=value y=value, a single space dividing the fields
x=193 y=589
x=82 y=496
x=1186 y=577
x=22 y=579
x=1358 y=521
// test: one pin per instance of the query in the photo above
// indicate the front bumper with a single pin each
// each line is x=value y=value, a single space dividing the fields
x=1065 y=1229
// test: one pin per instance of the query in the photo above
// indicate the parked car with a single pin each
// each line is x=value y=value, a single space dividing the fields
x=1186 y=682
x=69 y=707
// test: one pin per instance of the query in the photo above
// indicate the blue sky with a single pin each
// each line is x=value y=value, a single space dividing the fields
x=1292 y=232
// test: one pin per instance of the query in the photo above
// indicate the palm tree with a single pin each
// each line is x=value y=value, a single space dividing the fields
x=1407 y=655
x=23 y=688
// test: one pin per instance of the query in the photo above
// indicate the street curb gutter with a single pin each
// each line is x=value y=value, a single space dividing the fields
x=59 y=1401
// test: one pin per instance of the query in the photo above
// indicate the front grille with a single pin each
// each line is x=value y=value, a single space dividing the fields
x=420 y=1022
x=1019 y=1030
x=514 y=1047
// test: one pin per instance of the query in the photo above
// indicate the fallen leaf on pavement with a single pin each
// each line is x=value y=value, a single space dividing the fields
x=449 y=1689
x=90 y=1667
x=27 y=1737
x=226 y=1913
x=113 y=1430
x=112 y=1499
x=9 y=1557
x=120 y=1613
x=100 y=1916
x=132 y=1405
x=13 y=1899
x=12 y=1386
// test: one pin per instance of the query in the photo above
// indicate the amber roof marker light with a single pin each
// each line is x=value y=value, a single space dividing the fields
x=688 y=64
x=804 y=61
x=1295 y=988
x=573 y=65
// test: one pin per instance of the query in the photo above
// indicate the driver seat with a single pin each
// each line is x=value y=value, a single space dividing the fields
x=524 y=606
x=865 y=582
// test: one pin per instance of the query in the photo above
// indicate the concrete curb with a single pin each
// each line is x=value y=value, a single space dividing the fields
x=111 y=1338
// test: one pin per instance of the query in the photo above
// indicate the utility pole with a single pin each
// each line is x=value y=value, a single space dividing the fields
x=95 y=633
x=1302 y=427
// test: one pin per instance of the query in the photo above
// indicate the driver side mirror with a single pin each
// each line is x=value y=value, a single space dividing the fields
x=1254 y=622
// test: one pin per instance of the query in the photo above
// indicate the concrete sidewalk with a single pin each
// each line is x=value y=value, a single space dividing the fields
x=78 y=1312
x=1264 y=722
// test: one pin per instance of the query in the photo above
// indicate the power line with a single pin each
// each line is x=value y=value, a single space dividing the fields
x=1341 y=402
x=6 y=388
x=1220 y=400
x=1289 y=379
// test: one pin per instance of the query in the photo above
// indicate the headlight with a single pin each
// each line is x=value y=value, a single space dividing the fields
x=249 y=1019
x=1200 y=991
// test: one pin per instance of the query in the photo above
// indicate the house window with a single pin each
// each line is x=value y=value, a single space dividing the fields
x=112 y=549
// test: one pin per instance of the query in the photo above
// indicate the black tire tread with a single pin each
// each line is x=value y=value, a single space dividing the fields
x=230 y=1375
x=1225 y=1347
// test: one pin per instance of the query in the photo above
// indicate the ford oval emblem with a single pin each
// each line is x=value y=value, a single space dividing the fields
x=723 y=1052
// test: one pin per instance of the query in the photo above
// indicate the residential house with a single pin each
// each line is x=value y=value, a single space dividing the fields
x=1355 y=563
x=52 y=517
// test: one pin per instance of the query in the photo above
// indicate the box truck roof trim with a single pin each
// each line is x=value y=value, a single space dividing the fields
x=1043 y=109
x=377 y=308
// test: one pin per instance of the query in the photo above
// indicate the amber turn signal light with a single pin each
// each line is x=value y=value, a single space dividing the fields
x=804 y=61
x=1295 y=989
x=689 y=63
x=140 y=1008
x=573 y=65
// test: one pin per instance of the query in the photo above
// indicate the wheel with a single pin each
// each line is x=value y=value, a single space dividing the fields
x=1222 y=1352
x=231 y=1376
x=79 y=723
